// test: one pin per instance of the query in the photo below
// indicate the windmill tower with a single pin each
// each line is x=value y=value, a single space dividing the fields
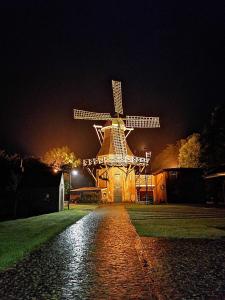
x=115 y=164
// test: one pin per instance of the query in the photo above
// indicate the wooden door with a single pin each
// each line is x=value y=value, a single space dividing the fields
x=117 y=188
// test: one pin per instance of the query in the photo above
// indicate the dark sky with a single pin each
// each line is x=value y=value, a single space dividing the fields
x=60 y=55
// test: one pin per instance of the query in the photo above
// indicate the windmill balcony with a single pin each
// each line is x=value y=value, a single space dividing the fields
x=117 y=159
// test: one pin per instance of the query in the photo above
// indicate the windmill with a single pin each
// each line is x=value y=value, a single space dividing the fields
x=114 y=166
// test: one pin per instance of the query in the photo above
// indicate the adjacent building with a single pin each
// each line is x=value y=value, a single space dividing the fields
x=179 y=185
x=40 y=192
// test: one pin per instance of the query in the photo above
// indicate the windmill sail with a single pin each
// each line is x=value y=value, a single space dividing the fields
x=117 y=96
x=142 y=122
x=89 y=115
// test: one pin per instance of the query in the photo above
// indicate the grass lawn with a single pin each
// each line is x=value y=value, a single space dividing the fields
x=19 y=237
x=177 y=221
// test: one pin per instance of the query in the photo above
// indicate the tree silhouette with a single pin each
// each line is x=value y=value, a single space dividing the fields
x=213 y=139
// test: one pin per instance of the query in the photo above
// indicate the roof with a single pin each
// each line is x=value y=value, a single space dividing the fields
x=87 y=189
x=40 y=179
x=215 y=172
x=141 y=180
x=177 y=169
x=215 y=175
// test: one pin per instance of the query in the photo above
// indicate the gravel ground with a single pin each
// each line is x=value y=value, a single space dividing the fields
x=186 y=268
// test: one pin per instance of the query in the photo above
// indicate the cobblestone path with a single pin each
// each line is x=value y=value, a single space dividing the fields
x=92 y=259
x=119 y=271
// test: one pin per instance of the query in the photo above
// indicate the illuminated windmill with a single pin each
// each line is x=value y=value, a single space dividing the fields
x=114 y=166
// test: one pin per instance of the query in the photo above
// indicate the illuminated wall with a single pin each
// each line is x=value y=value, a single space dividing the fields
x=160 y=194
x=120 y=187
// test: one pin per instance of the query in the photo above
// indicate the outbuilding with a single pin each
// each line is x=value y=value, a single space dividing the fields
x=179 y=185
x=215 y=185
x=40 y=192
x=89 y=195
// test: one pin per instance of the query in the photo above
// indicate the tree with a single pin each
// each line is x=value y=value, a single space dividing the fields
x=10 y=178
x=10 y=171
x=61 y=158
x=168 y=157
x=184 y=153
x=189 y=152
x=213 y=139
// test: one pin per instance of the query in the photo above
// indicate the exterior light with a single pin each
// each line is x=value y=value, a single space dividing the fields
x=74 y=172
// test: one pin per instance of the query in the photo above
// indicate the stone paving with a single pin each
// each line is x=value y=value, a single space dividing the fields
x=186 y=268
x=119 y=270
x=101 y=257
x=92 y=259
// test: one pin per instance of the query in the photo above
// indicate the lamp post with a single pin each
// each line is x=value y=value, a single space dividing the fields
x=146 y=182
x=72 y=172
x=147 y=157
x=151 y=187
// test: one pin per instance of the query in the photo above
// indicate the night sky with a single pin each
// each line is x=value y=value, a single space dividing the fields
x=60 y=55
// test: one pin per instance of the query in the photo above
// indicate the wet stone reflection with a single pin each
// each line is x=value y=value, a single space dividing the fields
x=92 y=259
x=119 y=271
x=61 y=269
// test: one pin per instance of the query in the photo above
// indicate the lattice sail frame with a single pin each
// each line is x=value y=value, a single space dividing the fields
x=117 y=96
x=89 y=115
x=142 y=122
x=119 y=141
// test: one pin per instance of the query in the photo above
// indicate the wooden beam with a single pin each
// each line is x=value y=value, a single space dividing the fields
x=92 y=174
